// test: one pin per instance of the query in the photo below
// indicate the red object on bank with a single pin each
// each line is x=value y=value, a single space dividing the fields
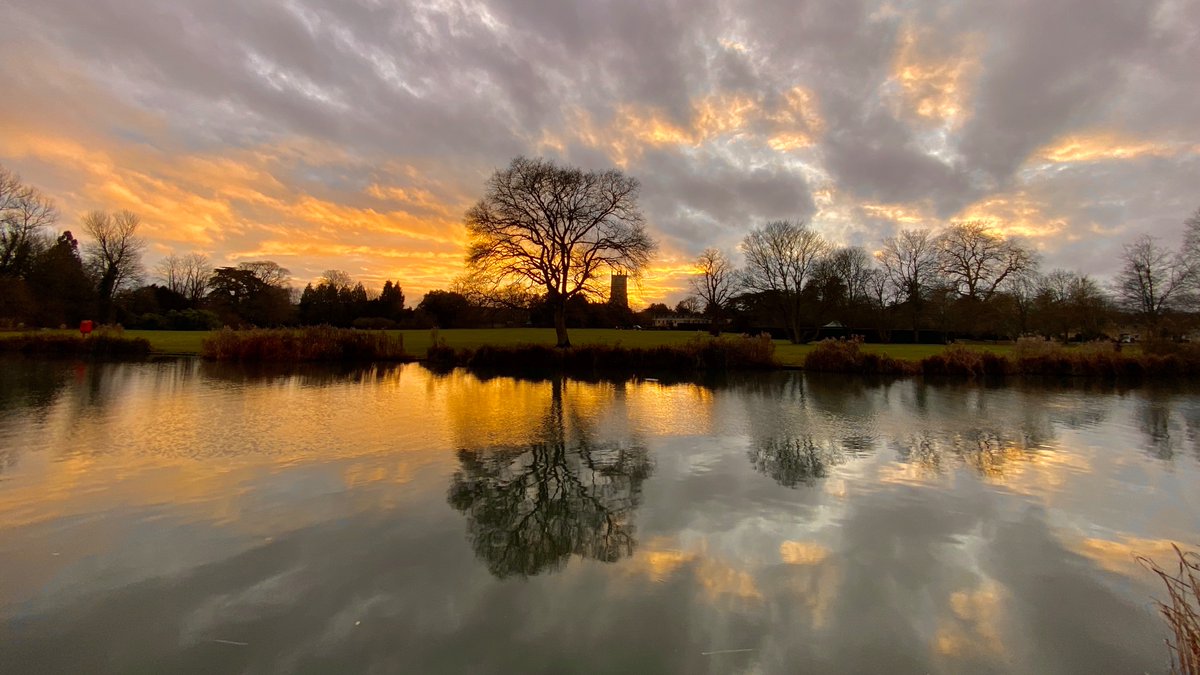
x=85 y=327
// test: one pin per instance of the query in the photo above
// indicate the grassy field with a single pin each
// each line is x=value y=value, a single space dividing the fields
x=418 y=341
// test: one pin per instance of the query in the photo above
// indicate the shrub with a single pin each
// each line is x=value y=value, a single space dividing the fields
x=845 y=356
x=308 y=344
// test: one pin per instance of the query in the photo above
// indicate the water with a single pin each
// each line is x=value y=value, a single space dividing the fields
x=184 y=517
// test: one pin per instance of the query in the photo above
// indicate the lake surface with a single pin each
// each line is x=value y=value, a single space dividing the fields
x=186 y=517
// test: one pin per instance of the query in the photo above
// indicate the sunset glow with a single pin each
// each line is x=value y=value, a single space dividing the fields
x=231 y=139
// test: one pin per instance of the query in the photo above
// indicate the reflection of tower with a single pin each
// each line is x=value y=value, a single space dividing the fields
x=619 y=294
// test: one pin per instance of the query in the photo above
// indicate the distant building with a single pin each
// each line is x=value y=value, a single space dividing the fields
x=619 y=293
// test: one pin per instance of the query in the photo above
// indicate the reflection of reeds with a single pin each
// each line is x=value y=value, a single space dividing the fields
x=1183 y=611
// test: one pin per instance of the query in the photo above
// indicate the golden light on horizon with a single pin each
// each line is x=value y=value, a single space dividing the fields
x=1014 y=214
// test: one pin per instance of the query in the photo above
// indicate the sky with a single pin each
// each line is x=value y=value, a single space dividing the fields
x=353 y=134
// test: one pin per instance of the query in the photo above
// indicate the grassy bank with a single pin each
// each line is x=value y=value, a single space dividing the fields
x=417 y=342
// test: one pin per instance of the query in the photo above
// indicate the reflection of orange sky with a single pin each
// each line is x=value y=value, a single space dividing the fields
x=972 y=625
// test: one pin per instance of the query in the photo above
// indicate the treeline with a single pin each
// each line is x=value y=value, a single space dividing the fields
x=966 y=281
x=920 y=285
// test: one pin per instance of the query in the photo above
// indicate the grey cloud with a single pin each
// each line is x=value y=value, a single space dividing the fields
x=1049 y=67
x=458 y=88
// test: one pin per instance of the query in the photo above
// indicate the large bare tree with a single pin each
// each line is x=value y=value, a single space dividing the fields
x=554 y=228
x=781 y=257
x=1153 y=280
x=714 y=283
x=977 y=261
x=114 y=255
x=910 y=261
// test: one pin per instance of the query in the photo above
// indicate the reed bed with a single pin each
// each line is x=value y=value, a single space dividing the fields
x=1032 y=357
x=1181 y=610
x=95 y=346
x=304 y=345
x=698 y=355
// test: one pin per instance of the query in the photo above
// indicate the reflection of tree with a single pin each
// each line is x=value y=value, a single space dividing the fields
x=792 y=461
x=530 y=508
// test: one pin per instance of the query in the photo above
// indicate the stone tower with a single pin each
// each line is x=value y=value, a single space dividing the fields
x=619 y=293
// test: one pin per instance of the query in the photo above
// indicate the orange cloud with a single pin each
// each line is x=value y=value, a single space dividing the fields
x=1015 y=214
x=1101 y=146
x=935 y=87
x=905 y=214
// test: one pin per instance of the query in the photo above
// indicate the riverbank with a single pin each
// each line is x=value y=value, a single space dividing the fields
x=418 y=342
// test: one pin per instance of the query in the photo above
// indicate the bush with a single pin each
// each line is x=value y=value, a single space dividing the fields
x=102 y=345
x=839 y=355
x=303 y=345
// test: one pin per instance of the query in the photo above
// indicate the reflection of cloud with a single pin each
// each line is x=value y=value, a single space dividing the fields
x=802 y=552
x=1120 y=555
x=972 y=625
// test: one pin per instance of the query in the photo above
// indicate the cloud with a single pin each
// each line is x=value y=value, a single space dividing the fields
x=353 y=135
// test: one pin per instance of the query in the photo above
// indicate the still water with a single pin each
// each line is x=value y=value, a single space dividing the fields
x=185 y=517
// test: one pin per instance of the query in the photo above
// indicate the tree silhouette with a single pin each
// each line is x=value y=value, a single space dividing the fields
x=551 y=228
x=530 y=508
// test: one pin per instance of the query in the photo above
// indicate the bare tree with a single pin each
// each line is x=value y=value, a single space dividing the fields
x=554 y=228
x=187 y=275
x=115 y=254
x=1191 y=248
x=24 y=211
x=910 y=261
x=196 y=270
x=1067 y=302
x=780 y=257
x=853 y=266
x=1154 y=280
x=977 y=262
x=714 y=284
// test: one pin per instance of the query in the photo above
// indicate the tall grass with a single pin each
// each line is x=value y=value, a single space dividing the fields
x=699 y=355
x=322 y=343
x=1182 y=611
x=103 y=345
x=1035 y=357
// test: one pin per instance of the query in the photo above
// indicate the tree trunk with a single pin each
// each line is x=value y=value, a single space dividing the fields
x=560 y=325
